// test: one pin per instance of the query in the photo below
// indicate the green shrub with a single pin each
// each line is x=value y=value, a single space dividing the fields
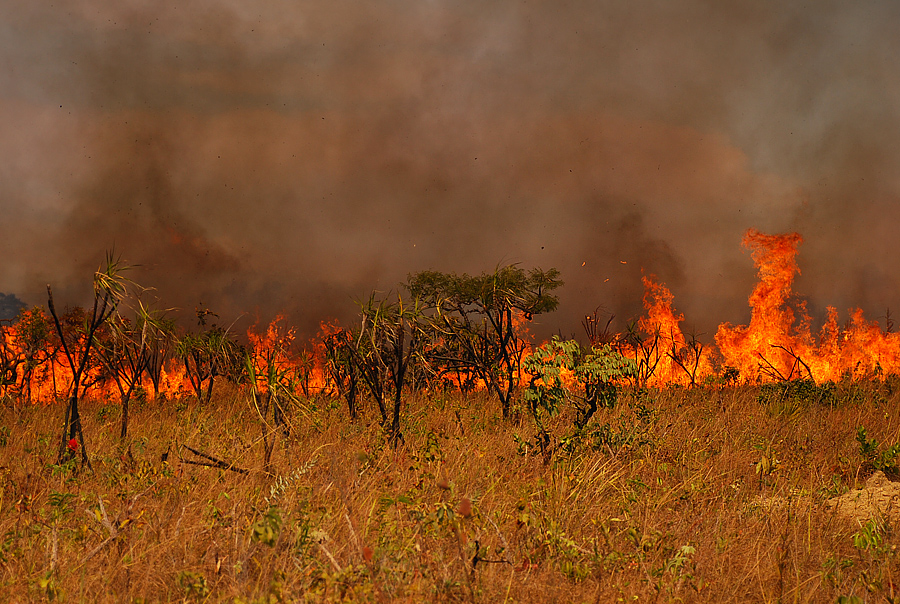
x=789 y=397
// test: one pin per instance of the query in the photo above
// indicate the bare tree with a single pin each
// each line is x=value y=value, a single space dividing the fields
x=109 y=290
x=341 y=365
x=389 y=339
x=208 y=354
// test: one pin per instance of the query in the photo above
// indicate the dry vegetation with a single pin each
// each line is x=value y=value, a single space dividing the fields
x=701 y=495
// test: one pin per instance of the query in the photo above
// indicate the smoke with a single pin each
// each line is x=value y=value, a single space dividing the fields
x=10 y=306
x=290 y=156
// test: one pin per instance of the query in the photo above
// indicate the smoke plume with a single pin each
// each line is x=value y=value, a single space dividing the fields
x=290 y=156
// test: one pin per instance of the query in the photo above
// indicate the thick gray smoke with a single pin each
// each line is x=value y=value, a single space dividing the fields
x=290 y=156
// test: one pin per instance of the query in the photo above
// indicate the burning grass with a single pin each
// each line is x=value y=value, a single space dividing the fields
x=705 y=495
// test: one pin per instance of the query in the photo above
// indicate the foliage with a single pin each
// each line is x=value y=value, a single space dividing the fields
x=390 y=337
x=267 y=527
x=787 y=396
x=596 y=371
x=109 y=291
x=207 y=354
x=32 y=346
x=126 y=348
x=474 y=320
x=884 y=460
x=340 y=364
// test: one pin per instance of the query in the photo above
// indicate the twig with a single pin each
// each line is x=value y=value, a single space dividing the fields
x=797 y=359
x=207 y=464
x=772 y=370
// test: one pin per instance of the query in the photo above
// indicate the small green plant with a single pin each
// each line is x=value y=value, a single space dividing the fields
x=596 y=371
x=267 y=528
x=834 y=568
x=49 y=585
x=676 y=570
x=599 y=370
x=193 y=584
x=884 y=460
x=869 y=538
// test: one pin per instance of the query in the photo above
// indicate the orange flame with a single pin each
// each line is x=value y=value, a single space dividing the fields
x=777 y=344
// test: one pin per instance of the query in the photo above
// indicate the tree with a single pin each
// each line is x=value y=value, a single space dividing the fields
x=159 y=349
x=127 y=349
x=273 y=382
x=32 y=340
x=10 y=359
x=379 y=353
x=208 y=354
x=390 y=338
x=341 y=365
x=475 y=319
x=645 y=349
x=109 y=290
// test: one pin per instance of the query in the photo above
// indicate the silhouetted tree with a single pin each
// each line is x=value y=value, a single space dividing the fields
x=209 y=353
x=126 y=350
x=109 y=290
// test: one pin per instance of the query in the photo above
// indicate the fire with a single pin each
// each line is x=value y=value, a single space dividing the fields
x=664 y=355
x=275 y=357
x=769 y=345
x=778 y=344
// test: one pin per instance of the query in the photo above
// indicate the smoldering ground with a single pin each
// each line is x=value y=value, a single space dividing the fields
x=289 y=156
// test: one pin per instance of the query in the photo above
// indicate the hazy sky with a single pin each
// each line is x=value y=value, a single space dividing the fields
x=289 y=156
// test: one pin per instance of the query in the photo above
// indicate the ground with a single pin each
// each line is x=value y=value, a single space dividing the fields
x=693 y=495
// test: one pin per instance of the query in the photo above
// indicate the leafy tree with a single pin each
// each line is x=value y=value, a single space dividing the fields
x=599 y=370
x=33 y=337
x=596 y=370
x=545 y=393
x=474 y=320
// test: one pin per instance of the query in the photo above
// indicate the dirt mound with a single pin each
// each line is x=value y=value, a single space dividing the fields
x=879 y=499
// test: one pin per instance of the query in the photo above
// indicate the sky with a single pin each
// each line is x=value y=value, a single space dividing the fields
x=292 y=156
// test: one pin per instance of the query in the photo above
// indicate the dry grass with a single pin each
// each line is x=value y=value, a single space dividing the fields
x=695 y=496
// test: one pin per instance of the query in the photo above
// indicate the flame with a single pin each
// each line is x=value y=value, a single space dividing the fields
x=275 y=356
x=777 y=344
x=659 y=347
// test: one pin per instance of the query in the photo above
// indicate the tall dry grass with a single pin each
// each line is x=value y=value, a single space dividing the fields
x=679 y=495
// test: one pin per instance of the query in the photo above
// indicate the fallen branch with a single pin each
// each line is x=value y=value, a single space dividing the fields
x=213 y=462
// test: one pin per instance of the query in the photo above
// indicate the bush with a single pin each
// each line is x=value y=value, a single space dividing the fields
x=789 y=397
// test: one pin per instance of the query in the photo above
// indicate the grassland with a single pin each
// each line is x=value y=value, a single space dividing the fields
x=703 y=495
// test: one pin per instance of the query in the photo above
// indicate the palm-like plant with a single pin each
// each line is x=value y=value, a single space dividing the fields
x=109 y=291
